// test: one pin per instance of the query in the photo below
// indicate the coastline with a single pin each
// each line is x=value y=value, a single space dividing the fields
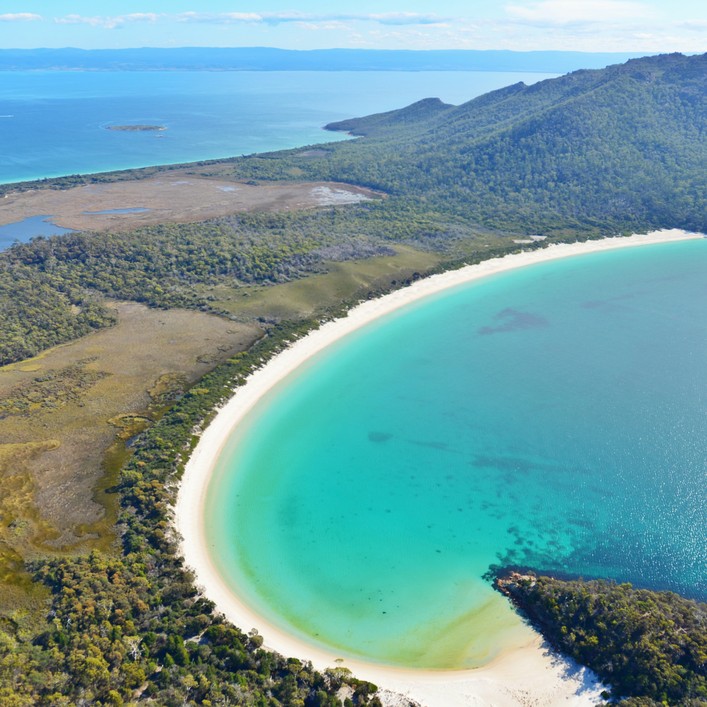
x=529 y=675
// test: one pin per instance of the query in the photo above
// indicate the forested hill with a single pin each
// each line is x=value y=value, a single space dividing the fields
x=592 y=153
x=620 y=148
x=649 y=646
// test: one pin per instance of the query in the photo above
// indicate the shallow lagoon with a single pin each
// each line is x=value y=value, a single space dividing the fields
x=28 y=228
x=553 y=417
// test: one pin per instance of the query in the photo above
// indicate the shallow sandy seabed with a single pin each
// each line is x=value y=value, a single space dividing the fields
x=529 y=675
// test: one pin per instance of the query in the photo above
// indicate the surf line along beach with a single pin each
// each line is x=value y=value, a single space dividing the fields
x=522 y=675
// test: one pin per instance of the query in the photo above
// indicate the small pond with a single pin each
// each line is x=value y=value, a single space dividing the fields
x=28 y=228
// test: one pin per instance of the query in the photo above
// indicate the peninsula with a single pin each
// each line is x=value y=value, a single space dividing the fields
x=161 y=320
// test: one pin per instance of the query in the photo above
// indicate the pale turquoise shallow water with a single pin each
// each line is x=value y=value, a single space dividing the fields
x=554 y=416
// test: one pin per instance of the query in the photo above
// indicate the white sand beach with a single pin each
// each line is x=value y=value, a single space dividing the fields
x=531 y=675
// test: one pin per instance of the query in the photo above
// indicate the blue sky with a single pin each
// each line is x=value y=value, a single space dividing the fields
x=587 y=25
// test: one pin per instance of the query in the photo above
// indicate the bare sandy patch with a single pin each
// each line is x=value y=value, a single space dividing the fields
x=336 y=196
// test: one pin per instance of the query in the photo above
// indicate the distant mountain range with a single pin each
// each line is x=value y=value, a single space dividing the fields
x=270 y=59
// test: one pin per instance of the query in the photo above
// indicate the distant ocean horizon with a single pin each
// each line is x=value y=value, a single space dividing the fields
x=54 y=123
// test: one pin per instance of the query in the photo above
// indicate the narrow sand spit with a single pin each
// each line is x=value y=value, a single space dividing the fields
x=531 y=675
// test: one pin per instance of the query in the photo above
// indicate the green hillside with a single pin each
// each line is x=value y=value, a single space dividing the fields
x=615 y=149
x=649 y=646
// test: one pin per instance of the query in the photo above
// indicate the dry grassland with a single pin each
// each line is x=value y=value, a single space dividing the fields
x=343 y=282
x=62 y=413
x=175 y=196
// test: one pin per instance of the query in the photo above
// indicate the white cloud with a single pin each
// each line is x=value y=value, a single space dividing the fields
x=20 y=17
x=221 y=18
x=640 y=36
x=107 y=22
x=694 y=25
x=583 y=25
x=78 y=20
x=328 y=26
x=405 y=18
x=590 y=25
x=563 y=12
x=276 y=18
x=140 y=17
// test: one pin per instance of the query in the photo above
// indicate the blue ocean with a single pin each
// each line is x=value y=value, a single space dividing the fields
x=54 y=123
x=551 y=417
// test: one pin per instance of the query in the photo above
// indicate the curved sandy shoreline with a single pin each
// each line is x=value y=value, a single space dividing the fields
x=530 y=675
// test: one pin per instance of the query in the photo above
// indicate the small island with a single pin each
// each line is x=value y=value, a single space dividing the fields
x=135 y=128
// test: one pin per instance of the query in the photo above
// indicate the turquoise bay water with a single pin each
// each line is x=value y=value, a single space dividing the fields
x=552 y=417
x=53 y=123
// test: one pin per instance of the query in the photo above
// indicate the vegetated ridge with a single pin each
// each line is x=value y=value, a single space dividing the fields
x=651 y=647
x=619 y=148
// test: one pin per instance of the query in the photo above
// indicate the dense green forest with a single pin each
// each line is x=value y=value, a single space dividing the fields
x=590 y=154
x=51 y=288
x=39 y=310
x=651 y=647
